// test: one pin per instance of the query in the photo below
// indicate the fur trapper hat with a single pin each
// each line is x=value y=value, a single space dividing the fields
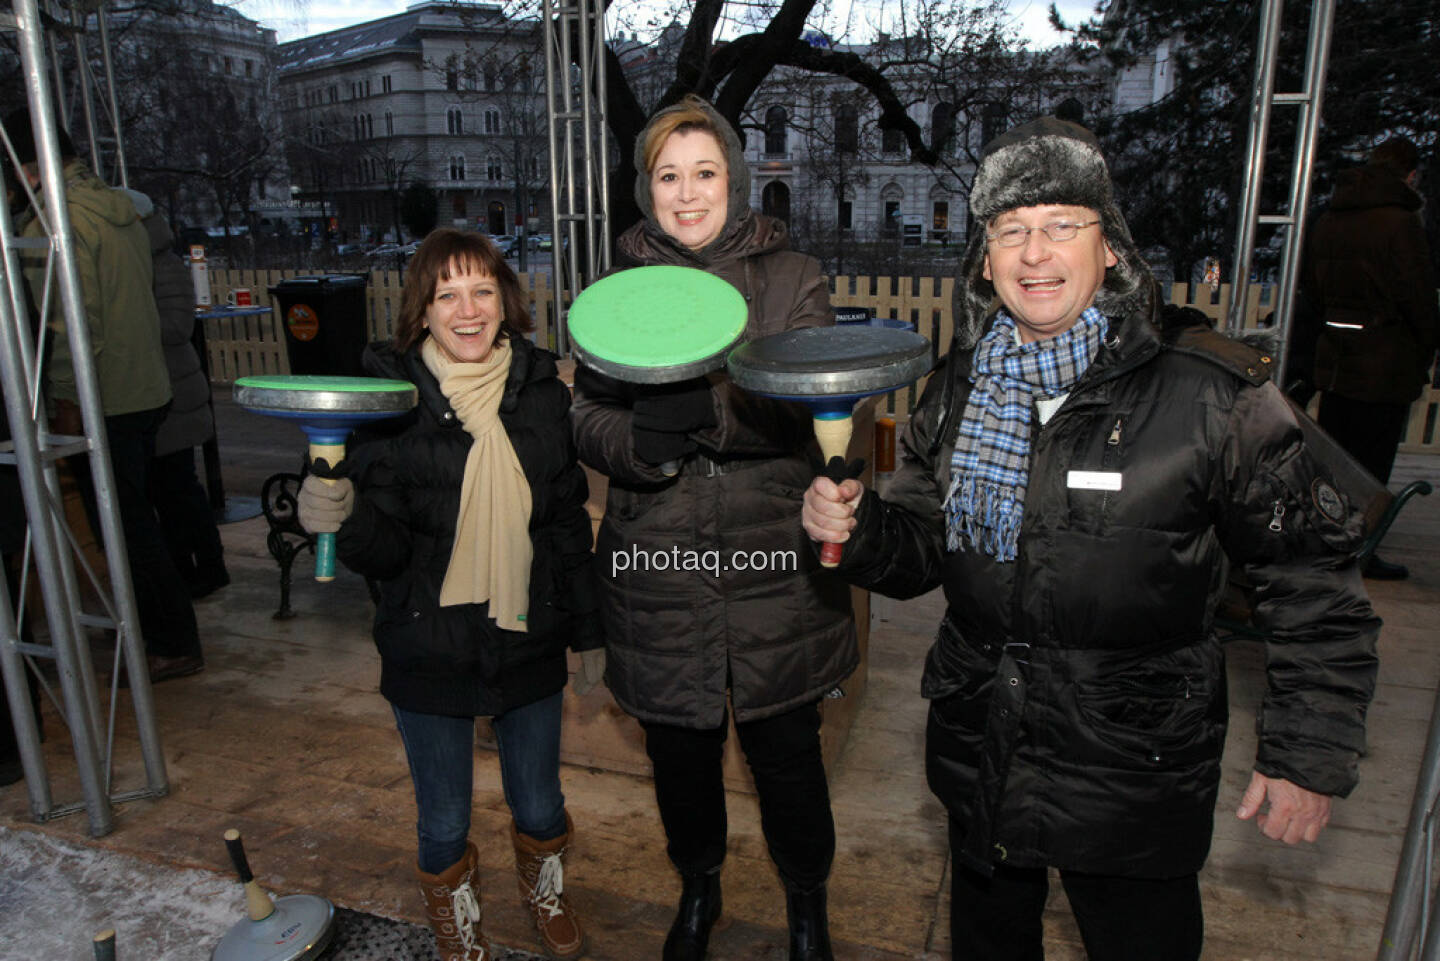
x=1048 y=161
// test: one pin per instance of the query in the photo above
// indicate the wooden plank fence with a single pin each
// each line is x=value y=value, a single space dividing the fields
x=256 y=345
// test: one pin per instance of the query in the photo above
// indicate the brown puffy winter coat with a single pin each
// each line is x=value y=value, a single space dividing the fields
x=677 y=639
x=1369 y=280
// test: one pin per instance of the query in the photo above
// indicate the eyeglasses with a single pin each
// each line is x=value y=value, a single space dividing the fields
x=1058 y=232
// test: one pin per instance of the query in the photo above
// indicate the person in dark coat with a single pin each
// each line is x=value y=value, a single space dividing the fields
x=114 y=272
x=679 y=641
x=181 y=503
x=1370 y=286
x=1078 y=484
x=473 y=520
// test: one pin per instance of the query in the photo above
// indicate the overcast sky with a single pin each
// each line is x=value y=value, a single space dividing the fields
x=300 y=18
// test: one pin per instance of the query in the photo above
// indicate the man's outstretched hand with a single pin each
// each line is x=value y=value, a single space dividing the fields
x=1294 y=814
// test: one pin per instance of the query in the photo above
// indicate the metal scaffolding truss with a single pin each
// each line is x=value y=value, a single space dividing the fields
x=52 y=549
x=574 y=37
x=1308 y=100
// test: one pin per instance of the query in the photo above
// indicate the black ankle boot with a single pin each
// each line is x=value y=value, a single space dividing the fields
x=809 y=925
x=699 y=910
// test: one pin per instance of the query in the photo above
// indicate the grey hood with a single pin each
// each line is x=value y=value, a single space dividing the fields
x=738 y=210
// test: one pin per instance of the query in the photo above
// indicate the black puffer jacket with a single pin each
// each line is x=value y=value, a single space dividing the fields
x=1078 y=694
x=1370 y=285
x=455 y=660
x=678 y=638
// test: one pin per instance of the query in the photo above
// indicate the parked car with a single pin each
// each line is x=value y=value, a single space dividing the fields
x=508 y=243
x=540 y=242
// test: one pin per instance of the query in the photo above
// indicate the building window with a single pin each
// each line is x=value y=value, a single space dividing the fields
x=385 y=83
x=492 y=121
x=845 y=215
x=229 y=65
x=353 y=94
x=389 y=124
x=355 y=127
x=493 y=171
x=367 y=86
x=892 y=140
x=941 y=218
x=369 y=127
x=489 y=78
x=454 y=121
x=942 y=126
x=452 y=79
x=334 y=93
x=534 y=166
x=457 y=168
x=775 y=122
x=847 y=129
x=249 y=68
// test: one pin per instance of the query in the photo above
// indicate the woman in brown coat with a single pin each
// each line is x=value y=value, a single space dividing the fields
x=709 y=584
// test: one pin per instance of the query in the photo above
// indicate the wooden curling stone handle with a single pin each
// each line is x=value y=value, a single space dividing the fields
x=833 y=433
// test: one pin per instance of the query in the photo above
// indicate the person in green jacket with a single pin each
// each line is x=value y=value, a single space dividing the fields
x=112 y=261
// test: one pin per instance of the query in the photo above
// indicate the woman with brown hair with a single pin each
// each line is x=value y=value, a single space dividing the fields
x=685 y=647
x=471 y=517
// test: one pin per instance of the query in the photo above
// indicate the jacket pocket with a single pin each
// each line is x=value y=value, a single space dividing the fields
x=1161 y=712
x=957 y=680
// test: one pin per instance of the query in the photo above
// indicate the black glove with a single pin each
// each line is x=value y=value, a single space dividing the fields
x=663 y=417
x=660 y=446
x=675 y=408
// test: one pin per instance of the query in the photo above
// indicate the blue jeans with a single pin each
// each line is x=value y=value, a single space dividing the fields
x=441 y=752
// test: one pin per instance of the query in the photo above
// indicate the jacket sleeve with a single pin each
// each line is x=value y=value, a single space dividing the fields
x=375 y=540
x=573 y=541
x=898 y=545
x=748 y=424
x=1416 y=296
x=601 y=418
x=1292 y=535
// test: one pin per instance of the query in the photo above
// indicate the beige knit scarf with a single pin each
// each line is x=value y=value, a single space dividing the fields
x=491 y=557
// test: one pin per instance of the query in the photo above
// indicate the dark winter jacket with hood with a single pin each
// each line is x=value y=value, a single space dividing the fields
x=1371 y=286
x=1078 y=701
x=189 y=422
x=677 y=639
x=455 y=660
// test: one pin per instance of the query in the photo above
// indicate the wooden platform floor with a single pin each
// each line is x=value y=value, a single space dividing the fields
x=285 y=737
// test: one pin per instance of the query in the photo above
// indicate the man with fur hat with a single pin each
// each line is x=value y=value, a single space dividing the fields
x=1076 y=483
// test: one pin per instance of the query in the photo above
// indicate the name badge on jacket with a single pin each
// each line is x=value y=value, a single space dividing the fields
x=1092 y=480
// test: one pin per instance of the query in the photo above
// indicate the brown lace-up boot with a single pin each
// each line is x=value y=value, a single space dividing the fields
x=452 y=900
x=542 y=884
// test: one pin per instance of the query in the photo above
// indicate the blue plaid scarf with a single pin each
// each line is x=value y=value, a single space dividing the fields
x=991 y=464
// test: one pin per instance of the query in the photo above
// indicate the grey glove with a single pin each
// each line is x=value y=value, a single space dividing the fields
x=324 y=504
x=592 y=671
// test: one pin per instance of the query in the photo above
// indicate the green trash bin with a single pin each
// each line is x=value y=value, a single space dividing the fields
x=324 y=321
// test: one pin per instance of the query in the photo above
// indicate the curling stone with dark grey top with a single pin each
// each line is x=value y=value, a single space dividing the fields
x=829 y=369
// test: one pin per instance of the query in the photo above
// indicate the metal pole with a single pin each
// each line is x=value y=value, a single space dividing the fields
x=35 y=455
x=601 y=147
x=1311 y=100
x=1408 y=893
x=552 y=81
x=1255 y=158
x=587 y=95
x=86 y=80
x=121 y=167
